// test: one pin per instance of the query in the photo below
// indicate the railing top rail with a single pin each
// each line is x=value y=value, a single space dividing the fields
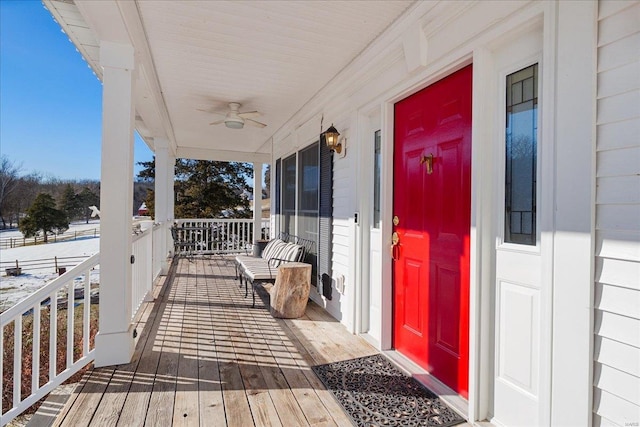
x=44 y=292
x=46 y=260
x=183 y=220
x=140 y=235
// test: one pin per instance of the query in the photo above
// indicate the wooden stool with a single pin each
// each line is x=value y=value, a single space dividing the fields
x=290 y=293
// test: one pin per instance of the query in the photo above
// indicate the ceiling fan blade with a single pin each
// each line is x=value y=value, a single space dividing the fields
x=249 y=114
x=211 y=112
x=254 y=123
x=217 y=122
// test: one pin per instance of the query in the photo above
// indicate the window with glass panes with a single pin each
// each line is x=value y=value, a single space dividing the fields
x=300 y=178
x=521 y=138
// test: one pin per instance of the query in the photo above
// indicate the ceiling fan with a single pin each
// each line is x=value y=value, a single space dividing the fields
x=235 y=119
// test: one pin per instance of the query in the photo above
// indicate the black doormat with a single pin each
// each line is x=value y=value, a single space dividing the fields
x=375 y=393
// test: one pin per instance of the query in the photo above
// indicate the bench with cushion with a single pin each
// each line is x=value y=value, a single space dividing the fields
x=252 y=269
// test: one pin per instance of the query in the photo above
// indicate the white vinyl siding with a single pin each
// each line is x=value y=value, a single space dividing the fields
x=344 y=197
x=616 y=379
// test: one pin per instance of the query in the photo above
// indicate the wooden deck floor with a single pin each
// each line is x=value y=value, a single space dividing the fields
x=205 y=357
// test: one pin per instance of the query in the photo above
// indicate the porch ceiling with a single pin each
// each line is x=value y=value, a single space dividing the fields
x=271 y=56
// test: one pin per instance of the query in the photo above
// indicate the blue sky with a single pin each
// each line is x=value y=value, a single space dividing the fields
x=50 y=100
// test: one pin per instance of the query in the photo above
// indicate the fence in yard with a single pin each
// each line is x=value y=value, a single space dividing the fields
x=15 y=242
x=53 y=264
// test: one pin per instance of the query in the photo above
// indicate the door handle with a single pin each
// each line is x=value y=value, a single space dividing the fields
x=395 y=248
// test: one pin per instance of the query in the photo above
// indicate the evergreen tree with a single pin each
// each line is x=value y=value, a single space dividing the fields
x=267 y=181
x=150 y=201
x=88 y=198
x=43 y=216
x=210 y=189
x=205 y=189
x=148 y=171
x=71 y=203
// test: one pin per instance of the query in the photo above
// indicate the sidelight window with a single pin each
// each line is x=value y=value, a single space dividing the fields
x=377 y=172
x=521 y=156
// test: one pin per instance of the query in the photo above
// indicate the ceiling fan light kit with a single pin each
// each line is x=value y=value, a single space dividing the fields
x=234 y=123
x=235 y=119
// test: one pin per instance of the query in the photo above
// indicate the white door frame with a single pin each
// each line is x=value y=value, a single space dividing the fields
x=366 y=119
x=563 y=98
x=482 y=231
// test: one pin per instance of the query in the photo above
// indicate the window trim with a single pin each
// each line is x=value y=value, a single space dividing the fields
x=528 y=239
x=501 y=153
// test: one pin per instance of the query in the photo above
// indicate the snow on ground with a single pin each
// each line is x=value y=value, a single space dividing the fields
x=14 y=289
x=74 y=226
x=84 y=246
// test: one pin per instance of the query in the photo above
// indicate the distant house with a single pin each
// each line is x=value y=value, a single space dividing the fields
x=142 y=210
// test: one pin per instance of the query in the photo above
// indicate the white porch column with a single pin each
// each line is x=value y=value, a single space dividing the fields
x=257 y=201
x=574 y=223
x=114 y=342
x=171 y=175
x=164 y=194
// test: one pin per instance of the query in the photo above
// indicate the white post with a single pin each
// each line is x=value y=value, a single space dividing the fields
x=171 y=175
x=164 y=194
x=114 y=342
x=257 y=202
x=573 y=223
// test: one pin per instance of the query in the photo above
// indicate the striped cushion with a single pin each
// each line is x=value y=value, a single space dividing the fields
x=259 y=269
x=290 y=252
x=276 y=252
x=272 y=247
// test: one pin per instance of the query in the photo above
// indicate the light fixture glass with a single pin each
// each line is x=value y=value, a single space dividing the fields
x=233 y=124
x=331 y=139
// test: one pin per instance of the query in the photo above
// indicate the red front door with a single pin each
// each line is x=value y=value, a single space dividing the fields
x=432 y=203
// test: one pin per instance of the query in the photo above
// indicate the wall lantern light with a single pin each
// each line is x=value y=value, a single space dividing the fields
x=331 y=139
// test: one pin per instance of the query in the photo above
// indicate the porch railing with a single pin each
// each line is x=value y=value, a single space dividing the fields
x=160 y=234
x=24 y=321
x=142 y=271
x=37 y=323
x=220 y=236
x=23 y=324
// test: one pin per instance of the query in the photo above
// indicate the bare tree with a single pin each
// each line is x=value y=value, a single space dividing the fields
x=9 y=172
x=27 y=187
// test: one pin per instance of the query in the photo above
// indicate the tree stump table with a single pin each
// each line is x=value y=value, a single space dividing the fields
x=290 y=293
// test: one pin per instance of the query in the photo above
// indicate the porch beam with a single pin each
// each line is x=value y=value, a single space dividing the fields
x=222 y=155
x=133 y=21
x=257 y=202
x=164 y=192
x=114 y=342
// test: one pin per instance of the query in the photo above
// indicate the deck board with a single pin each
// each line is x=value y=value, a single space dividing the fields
x=205 y=357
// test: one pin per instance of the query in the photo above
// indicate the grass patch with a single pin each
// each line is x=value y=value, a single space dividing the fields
x=27 y=351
